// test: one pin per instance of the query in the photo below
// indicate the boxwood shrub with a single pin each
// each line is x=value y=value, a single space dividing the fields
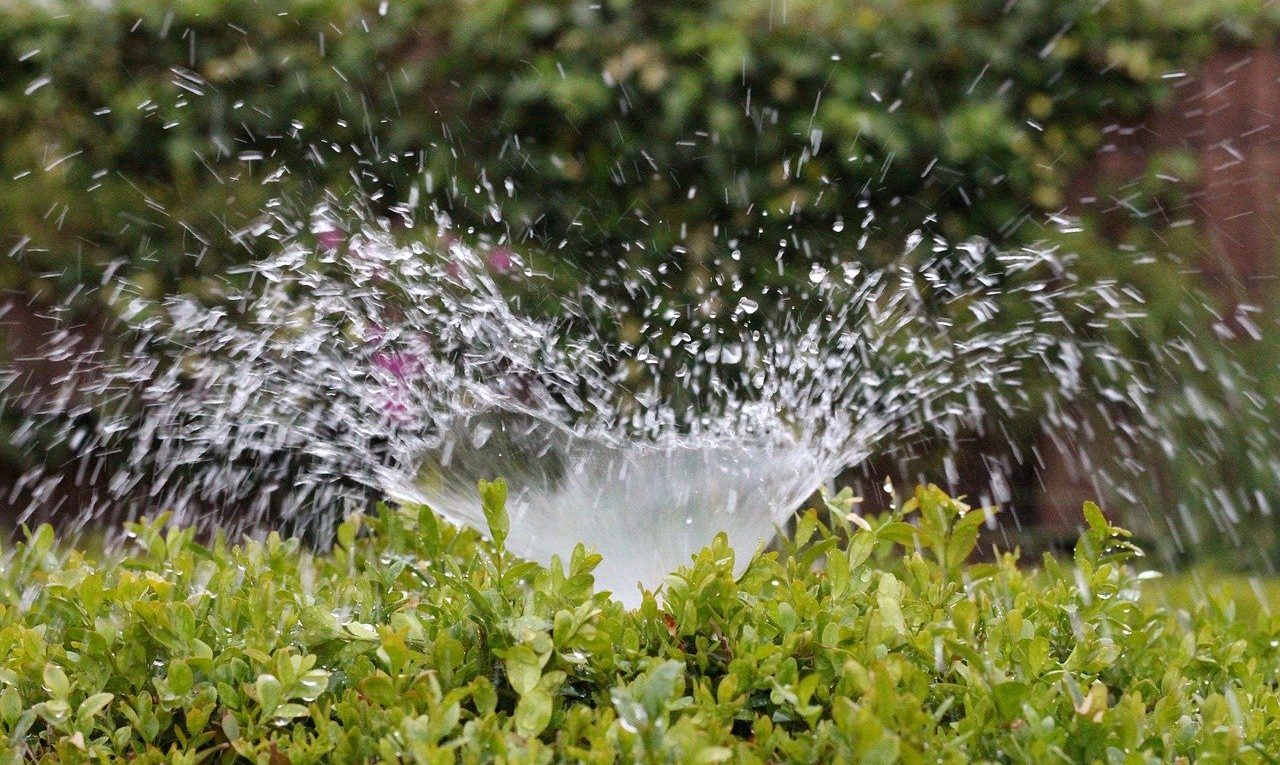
x=859 y=640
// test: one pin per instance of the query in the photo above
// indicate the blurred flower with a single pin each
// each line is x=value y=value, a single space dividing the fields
x=374 y=333
x=400 y=365
x=395 y=409
x=330 y=239
x=501 y=259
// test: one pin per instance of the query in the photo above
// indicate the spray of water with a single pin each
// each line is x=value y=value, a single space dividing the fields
x=368 y=364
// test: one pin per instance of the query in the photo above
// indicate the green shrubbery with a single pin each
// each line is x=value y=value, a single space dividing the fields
x=719 y=138
x=866 y=642
x=655 y=131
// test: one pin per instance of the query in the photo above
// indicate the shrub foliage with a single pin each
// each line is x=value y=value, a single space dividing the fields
x=714 y=140
x=861 y=640
x=659 y=131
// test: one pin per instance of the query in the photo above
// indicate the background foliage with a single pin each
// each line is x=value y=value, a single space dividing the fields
x=157 y=131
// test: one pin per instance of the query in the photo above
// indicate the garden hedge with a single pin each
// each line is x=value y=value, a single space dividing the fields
x=862 y=640
x=708 y=136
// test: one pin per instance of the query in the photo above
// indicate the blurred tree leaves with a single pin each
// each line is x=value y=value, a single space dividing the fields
x=655 y=132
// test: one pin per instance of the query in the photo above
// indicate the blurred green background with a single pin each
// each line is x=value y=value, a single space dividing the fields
x=589 y=134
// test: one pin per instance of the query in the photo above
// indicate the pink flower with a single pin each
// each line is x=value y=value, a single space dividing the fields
x=395 y=394
x=400 y=365
x=374 y=333
x=330 y=239
x=501 y=259
x=395 y=410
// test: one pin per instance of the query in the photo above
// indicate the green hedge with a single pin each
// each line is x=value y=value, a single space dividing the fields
x=664 y=130
x=623 y=129
x=414 y=642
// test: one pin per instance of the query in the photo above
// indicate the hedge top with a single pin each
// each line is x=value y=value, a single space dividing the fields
x=412 y=640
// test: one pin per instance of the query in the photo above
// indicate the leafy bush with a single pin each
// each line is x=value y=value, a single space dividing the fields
x=656 y=132
x=413 y=640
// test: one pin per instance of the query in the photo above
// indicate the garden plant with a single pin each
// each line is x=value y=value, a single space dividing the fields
x=869 y=640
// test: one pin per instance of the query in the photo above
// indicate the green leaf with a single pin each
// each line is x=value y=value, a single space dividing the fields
x=889 y=595
x=533 y=712
x=806 y=526
x=484 y=695
x=180 y=678
x=290 y=711
x=660 y=686
x=524 y=668
x=311 y=685
x=380 y=689
x=861 y=545
x=360 y=631
x=493 y=500
x=429 y=530
x=713 y=754
x=56 y=682
x=1008 y=697
x=900 y=532
x=10 y=706
x=55 y=712
x=269 y=692
x=93 y=705
x=347 y=531
x=230 y=728
x=1096 y=520
x=964 y=537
